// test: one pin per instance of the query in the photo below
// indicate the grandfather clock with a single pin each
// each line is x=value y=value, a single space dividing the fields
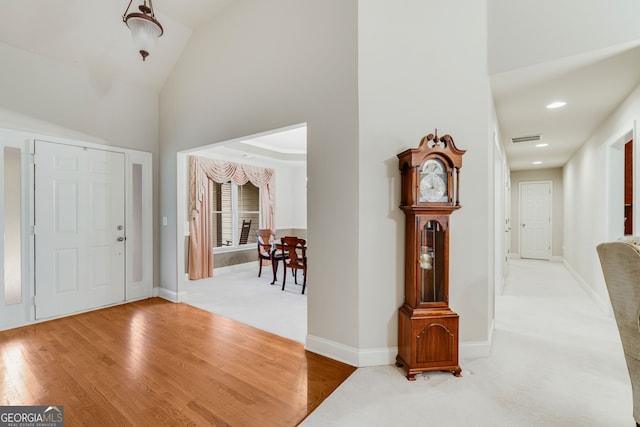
x=427 y=327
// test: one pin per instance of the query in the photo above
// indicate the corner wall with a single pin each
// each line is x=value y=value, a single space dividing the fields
x=363 y=76
x=422 y=66
x=588 y=186
x=266 y=65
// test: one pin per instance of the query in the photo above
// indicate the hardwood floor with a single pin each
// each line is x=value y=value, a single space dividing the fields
x=153 y=362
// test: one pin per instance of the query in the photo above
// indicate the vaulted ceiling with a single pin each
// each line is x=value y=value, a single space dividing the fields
x=91 y=35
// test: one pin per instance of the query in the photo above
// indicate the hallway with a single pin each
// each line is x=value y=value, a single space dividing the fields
x=556 y=361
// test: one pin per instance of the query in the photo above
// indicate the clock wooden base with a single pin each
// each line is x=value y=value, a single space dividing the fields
x=427 y=340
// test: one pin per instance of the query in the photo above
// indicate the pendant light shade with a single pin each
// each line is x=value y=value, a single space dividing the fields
x=145 y=29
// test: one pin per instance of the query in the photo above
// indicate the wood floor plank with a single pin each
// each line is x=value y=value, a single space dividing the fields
x=153 y=362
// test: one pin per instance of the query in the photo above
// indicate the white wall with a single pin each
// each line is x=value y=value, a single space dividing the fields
x=501 y=215
x=75 y=102
x=262 y=66
x=291 y=196
x=299 y=197
x=587 y=189
x=44 y=97
x=422 y=66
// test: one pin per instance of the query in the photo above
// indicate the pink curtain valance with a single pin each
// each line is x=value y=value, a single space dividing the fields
x=201 y=172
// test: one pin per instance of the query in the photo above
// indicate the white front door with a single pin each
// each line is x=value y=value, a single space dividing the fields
x=535 y=220
x=79 y=228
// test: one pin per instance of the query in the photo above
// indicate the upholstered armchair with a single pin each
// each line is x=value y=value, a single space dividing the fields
x=620 y=263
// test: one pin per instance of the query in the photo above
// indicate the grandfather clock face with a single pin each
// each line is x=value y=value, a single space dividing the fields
x=432 y=262
x=433 y=182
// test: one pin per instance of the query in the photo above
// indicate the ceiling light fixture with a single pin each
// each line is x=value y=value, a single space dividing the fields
x=556 y=104
x=538 y=162
x=145 y=29
x=541 y=145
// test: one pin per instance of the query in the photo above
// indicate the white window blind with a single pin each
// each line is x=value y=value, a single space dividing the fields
x=231 y=206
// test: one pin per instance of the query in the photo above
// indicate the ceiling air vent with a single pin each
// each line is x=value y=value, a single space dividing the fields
x=526 y=138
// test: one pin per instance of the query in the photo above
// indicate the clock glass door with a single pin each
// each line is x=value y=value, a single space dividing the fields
x=432 y=239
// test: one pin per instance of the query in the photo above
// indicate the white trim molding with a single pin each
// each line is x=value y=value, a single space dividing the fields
x=385 y=355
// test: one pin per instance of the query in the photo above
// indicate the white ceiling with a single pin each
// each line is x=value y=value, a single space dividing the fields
x=286 y=144
x=90 y=34
x=592 y=85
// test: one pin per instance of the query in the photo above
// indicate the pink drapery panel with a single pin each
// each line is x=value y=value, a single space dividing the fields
x=201 y=172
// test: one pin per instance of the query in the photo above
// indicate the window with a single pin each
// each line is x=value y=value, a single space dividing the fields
x=12 y=248
x=233 y=205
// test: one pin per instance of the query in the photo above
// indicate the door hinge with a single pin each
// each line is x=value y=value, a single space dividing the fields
x=32 y=157
x=33 y=230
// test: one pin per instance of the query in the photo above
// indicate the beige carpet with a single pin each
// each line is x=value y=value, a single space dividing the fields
x=556 y=361
x=238 y=293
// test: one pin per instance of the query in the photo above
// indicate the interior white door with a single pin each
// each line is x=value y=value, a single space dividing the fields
x=535 y=220
x=79 y=228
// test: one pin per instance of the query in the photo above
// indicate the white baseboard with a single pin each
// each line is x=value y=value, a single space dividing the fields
x=169 y=294
x=605 y=306
x=554 y=258
x=332 y=349
x=477 y=349
x=385 y=355
x=377 y=356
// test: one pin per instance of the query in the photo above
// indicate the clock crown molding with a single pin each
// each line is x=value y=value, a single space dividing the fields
x=425 y=189
x=430 y=146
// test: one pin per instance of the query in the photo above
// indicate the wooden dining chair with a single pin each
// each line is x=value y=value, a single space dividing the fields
x=244 y=231
x=265 y=238
x=294 y=251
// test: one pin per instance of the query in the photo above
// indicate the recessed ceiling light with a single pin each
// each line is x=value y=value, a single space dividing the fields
x=537 y=162
x=541 y=145
x=556 y=104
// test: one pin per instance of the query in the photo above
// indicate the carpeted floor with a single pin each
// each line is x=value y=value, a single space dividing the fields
x=238 y=293
x=556 y=361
